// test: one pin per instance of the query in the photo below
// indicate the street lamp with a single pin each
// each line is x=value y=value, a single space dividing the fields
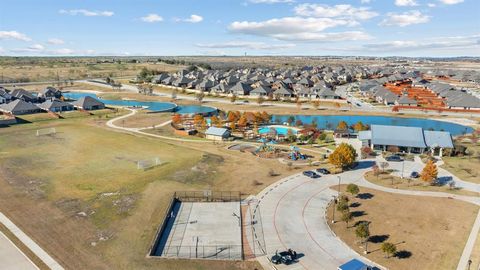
x=333 y=210
x=338 y=185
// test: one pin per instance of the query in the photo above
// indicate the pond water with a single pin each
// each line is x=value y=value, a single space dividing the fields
x=154 y=106
x=331 y=122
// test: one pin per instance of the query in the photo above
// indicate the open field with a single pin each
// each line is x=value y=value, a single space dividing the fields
x=46 y=69
x=82 y=188
x=390 y=181
x=429 y=233
x=144 y=119
x=466 y=167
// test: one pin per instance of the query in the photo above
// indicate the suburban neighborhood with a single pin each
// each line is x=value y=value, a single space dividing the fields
x=252 y=134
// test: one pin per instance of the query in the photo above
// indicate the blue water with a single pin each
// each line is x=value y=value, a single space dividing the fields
x=280 y=130
x=151 y=105
x=331 y=122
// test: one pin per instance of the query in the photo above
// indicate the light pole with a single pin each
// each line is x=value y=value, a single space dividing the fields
x=338 y=185
x=403 y=165
x=333 y=210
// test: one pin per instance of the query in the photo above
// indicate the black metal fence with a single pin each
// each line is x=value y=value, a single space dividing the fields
x=208 y=196
x=210 y=252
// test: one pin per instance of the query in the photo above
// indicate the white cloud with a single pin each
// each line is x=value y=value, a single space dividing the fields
x=192 y=19
x=151 y=18
x=365 y=1
x=246 y=45
x=406 y=3
x=432 y=5
x=452 y=2
x=55 y=41
x=299 y=29
x=85 y=12
x=2 y=50
x=456 y=42
x=405 y=19
x=337 y=11
x=271 y=1
x=14 y=35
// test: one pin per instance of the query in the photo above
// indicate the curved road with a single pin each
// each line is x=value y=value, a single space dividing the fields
x=293 y=217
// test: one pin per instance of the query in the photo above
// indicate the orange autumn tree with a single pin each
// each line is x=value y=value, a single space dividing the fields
x=242 y=122
x=344 y=156
x=429 y=172
x=216 y=121
x=198 y=120
x=176 y=118
x=342 y=125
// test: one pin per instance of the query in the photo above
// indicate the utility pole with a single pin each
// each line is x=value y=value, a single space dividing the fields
x=333 y=210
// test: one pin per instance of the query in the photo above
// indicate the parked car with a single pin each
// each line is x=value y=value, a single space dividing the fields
x=414 y=175
x=285 y=257
x=395 y=158
x=311 y=174
x=323 y=171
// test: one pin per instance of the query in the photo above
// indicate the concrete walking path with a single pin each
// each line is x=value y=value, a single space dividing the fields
x=27 y=241
x=11 y=257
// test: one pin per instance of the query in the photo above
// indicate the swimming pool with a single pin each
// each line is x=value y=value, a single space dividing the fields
x=154 y=106
x=331 y=121
x=281 y=130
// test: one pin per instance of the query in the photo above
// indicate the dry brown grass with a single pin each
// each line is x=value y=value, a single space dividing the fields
x=429 y=232
x=387 y=180
x=48 y=180
x=145 y=119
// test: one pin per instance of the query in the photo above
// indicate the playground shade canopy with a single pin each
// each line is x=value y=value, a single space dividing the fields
x=354 y=265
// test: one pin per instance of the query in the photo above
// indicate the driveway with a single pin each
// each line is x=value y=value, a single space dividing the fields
x=293 y=217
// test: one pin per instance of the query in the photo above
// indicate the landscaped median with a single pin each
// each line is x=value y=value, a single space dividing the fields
x=427 y=232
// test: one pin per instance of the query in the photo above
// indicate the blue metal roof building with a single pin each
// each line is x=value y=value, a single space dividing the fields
x=354 y=265
x=408 y=139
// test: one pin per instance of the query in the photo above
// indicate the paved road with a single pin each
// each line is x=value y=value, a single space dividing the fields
x=292 y=209
x=12 y=258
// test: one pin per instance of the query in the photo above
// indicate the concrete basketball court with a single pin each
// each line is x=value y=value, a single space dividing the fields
x=208 y=230
x=11 y=257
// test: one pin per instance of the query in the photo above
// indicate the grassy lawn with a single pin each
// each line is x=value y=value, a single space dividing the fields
x=466 y=168
x=144 y=119
x=81 y=187
x=387 y=180
x=429 y=233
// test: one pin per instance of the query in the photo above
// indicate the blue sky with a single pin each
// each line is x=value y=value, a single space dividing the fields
x=234 y=27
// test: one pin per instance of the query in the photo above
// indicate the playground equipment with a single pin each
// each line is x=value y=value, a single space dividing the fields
x=267 y=149
x=295 y=154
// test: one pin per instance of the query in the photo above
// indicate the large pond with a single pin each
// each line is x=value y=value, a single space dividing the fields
x=331 y=121
x=154 y=106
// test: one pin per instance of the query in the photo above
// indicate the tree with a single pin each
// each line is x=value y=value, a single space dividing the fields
x=366 y=151
x=233 y=98
x=429 y=173
x=359 y=126
x=176 y=118
x=353 y=189
x=342 y=125
x=384 y=165
x=376 y=170
x=363 y=232
x=347 y=217
x=393 y=149
x=343 y=156
x=232 y=126
x=242 y=122
x=260 y=100
x=342 y=204
x=199 y=96
x=389 y=249
x=198 y=120
x=216 y=121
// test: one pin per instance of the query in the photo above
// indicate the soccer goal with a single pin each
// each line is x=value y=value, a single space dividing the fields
x=148 y=163
x=46 y=131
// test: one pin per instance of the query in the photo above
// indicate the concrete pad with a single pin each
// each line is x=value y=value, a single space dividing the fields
x=12 y=258
x=208 y=230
